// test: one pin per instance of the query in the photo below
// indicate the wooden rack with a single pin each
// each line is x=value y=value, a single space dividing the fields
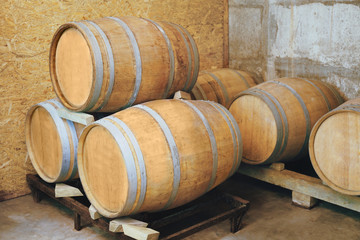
x=172 y=224
x=306 y=190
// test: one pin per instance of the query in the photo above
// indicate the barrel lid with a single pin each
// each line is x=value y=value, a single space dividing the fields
x=103 y=170
x=44 y=143
x=335 y=148
x=258 y=128
x=73 y=67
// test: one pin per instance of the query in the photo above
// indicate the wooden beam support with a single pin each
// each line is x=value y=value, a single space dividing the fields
x=140 y=233
x=277 y=166
x=303 y=200
x=182 y=95
x=94 y=214
x=116 y=225
x=301 y=183
x=64 y=190
x=234 y=210
x=82 y=118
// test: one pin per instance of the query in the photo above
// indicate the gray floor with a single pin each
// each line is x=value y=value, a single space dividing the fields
x=271 y=216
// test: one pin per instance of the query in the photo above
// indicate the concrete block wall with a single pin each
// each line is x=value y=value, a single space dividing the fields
x=248 y=35
x=303 y=38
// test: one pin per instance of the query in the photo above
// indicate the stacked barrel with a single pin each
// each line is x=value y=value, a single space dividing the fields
x=152 y=153
x=286 y=119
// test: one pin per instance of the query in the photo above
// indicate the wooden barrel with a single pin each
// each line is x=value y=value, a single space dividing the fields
x=109 y=64
x=334 y=148
x=51 y=142
x=157 y=155
x=275 y=118
x=221 y=85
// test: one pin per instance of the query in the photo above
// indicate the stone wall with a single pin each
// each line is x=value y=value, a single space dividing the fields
x=310 y=39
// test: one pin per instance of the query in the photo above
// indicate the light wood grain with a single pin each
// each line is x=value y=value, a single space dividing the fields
x=109 y=178
x=276 y=117
x=334 y=148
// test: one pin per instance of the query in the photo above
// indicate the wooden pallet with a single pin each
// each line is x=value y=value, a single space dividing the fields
x=172 y=224
x=306 y=190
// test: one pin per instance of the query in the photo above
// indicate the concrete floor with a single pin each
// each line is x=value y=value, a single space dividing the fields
x=271 y=216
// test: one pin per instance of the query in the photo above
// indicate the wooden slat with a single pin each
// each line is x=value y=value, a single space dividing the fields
x=94 y=214
x=277 y=166
x=116 y=225
x=82 y=118
x=64 y=190
x=182 y=95
x=301 y=183
x=140 y=233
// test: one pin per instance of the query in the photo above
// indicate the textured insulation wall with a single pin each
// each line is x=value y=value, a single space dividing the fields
x=26 y=30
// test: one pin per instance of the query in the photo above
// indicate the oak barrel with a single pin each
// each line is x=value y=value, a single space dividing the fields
x=221 y=85
x=275 y=118
x=51 y=142
x=109 y=64
x=334 y=148
x=157 y=155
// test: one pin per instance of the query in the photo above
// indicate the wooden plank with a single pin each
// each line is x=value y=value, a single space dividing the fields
x=94 y=214
x=226 y=35
x=64 y=190
x=116 y=225
x=182 y=95
x=277 y=166
x=82 y=118
x=301 y=183
x=140 y=233
x=303 y=200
